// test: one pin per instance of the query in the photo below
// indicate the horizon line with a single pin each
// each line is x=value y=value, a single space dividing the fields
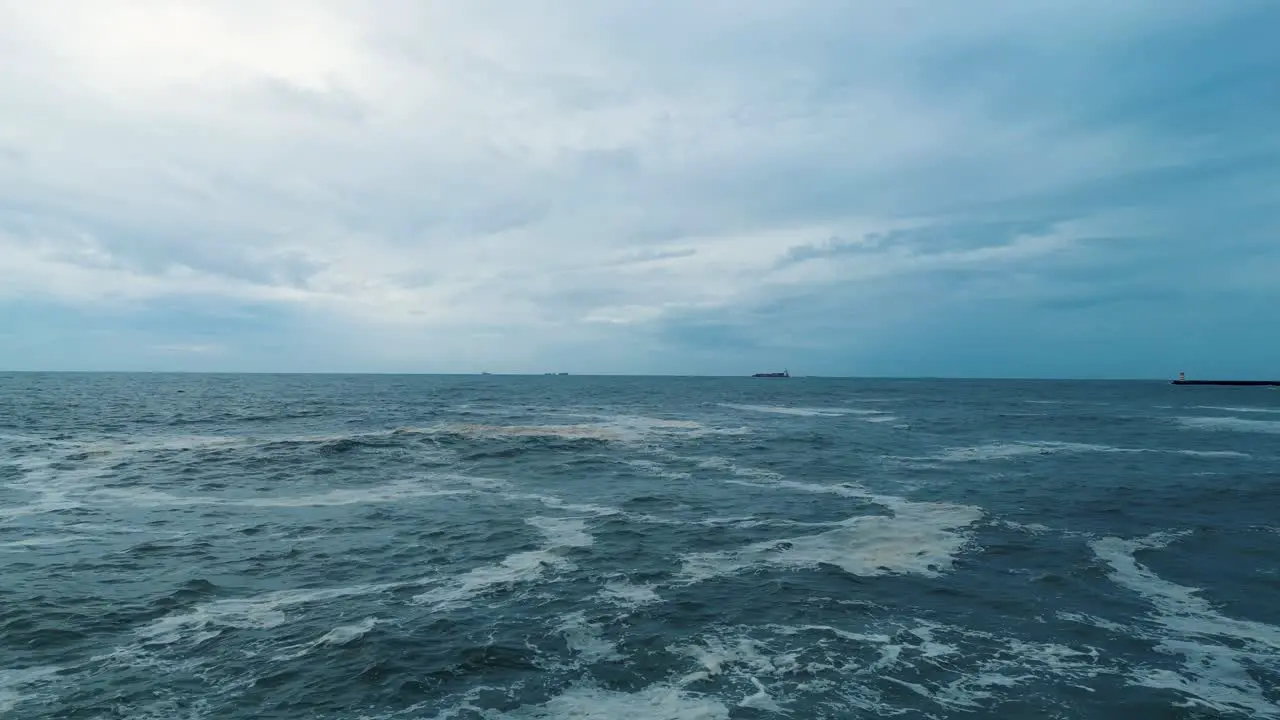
x=1024 y=378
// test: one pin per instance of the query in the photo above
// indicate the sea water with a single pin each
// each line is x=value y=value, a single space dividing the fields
x=379 y=547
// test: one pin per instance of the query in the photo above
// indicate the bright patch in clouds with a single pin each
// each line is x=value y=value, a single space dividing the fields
x=987 y=188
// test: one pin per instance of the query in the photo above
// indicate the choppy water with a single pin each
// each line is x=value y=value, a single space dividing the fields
x=542 y=547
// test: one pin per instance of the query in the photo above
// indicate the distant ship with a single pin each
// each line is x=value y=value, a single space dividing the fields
x=783 y=374
x=1182 y=380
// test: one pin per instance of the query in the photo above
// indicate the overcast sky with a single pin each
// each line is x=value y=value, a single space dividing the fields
x=1071 y=188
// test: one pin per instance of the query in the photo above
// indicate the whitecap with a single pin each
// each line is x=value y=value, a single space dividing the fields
x=344 y=634
x=658 y=469
x=1239 y=409
x=656 y=702
x=516 y=569
x=977 y=667
x=337 y=637
x=610 y=428
x=918 y=538
x=43 y=541
x=624 y=593
x=563 y=532
x=1215 y=649
x=1230 y=424
x=586 y=639
x=377 y=494
x=16 y=685
x=802 y=411
x=261 y=612
x=1014 y=450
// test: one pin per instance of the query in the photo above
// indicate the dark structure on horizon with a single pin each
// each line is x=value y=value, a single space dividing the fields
x=783 y=374
x=1182 y=380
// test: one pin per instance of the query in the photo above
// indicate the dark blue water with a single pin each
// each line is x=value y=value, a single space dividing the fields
x=198 y=546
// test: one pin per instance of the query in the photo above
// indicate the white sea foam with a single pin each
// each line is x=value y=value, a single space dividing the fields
x=917 y=538
x=337 y=637
x=515 y=569
x=43 y=541
x=1212 y=454
x=844 y=489
x=565 y=432
x=968 y=668
x=586 y=639
x=261 y=612
x=613 y=428
x=378 y=494
x=344 y=634
x=1230 y=424
x=141 y=444
x=726 y=465
x=552 y=501
x=955 y=668
x=879 y=418
x=656 y=702
x=1007 y=450
x=55 y=489
x=1040 y=529
x=512 y=570
x=1239 y=409
x=18 y=686
x=1216 y=650
x=622 y=592
x=872 y=416
x=798 y=411
x=1014 y=450
x=658 y=469
x=714 y=654
x=563 y=532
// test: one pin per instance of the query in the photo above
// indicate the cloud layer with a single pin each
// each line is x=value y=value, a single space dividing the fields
x=988 y=188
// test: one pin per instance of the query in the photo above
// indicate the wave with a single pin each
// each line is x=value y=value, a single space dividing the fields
x=586 y=639
x=20 y=686
x=590 y=702
x=516 y=569
x=1238 y=409
x=378 y=494
x=1230 y=424
x=773 y=667
x=1021 y=449
x=44 y=541
x=798 y=411
x=207 y=620
x=565 y=432
x=916 y=538
x=622 y=592
x=337 y=637
x=608 y=428
x=871 y=416
x=1216 y=650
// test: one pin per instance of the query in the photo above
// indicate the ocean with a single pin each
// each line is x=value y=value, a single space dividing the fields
x=418 y=547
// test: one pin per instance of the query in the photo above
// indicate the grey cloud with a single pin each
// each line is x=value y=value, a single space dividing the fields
x=938 y=237
x=334 y=103
x=515 y=168
x=645 y=255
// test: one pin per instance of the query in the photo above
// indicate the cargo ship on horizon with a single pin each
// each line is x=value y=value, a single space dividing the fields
x=783 y=374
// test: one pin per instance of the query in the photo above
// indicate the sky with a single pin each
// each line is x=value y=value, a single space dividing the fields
x=994 y=188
